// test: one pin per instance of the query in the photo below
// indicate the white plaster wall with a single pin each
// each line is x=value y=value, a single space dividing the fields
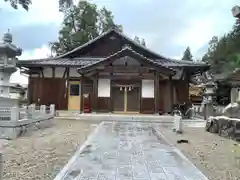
x=47 y=72
x=59 y=71
x=34 y=75
x=73 y=72
x=147 y=88
x=103 y=87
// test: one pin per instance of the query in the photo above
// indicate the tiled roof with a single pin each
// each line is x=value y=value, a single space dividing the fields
x=110 y=31
x=59 y=62
x=88 y=61
x=180 y=63
x=161 y=59
x=131 y=53
x=63 y=60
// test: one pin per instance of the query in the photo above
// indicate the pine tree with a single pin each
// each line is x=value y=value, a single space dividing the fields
x=82 y=23
x=187 y=55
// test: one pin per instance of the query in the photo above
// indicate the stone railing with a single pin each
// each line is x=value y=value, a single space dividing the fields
x=16 y=121
x=199 y=110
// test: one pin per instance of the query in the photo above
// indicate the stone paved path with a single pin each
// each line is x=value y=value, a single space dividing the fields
x=128 y=151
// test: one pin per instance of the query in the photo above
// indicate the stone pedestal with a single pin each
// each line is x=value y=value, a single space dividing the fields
x=9 y=102
x=209 y=110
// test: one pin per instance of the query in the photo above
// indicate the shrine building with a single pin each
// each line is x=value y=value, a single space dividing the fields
x=111 y=73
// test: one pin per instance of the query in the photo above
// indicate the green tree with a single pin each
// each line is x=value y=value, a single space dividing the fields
x=15 y=3
x=82 y=23
x=223 y=52
x=187 y=55
x=63 y=4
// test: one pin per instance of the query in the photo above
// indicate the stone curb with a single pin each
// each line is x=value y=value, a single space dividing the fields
x=80 y=148
x=178 y=151
x=100 y=119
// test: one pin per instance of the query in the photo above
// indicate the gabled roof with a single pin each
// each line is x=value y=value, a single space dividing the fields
x=158 y=57
x=67 y=60
x=129 y=53
x=109 y=33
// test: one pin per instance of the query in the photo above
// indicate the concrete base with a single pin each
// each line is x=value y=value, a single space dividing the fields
x=11 y=130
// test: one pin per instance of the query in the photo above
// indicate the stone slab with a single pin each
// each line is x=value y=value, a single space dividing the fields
x=127 y=151
x=11 y=130
x=123 y=117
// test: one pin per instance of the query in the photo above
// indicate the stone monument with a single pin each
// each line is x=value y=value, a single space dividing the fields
x=208 y=99
x=8 y=53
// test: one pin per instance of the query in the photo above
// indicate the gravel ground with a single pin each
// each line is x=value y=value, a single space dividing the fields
x=43 y=153
x=217 y=157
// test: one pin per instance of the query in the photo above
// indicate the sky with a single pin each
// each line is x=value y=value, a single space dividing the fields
x=168 y=27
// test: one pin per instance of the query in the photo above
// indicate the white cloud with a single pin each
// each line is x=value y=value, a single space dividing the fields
x=167 y=26
x=38 y=53
x=44 y=11
x=18 y=78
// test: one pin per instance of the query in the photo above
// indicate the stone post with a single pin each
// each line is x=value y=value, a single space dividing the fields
x=234 y=94
x=14 y=114
x=208 y=110
x=1 y=165
x=24 y=111
x=52 y=109
x=31 y=109
x=43 y=109
x=209 y=93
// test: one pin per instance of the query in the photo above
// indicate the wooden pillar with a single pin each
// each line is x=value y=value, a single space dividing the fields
x=95 y=94
x=111 y=97
x=140 y=94
x=67 y=86
x=156 y=92
x=81 y=93
x=171 y=92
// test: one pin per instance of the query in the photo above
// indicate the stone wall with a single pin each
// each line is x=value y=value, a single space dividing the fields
x=25 y=119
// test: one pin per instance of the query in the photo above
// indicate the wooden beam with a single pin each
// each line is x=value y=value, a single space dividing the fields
x=81 y=93
x=128 y=76
x=53 y=72
x=111 y=97
x=156 y=91
x=140 y=94
x=95 y=93
x=126 y=69
x=42 y=74
x=171 y=90
x=67 y=73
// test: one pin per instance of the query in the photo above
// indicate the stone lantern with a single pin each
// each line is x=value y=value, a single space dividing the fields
x=209 y=91
x=208 y=99
x=8 y=53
